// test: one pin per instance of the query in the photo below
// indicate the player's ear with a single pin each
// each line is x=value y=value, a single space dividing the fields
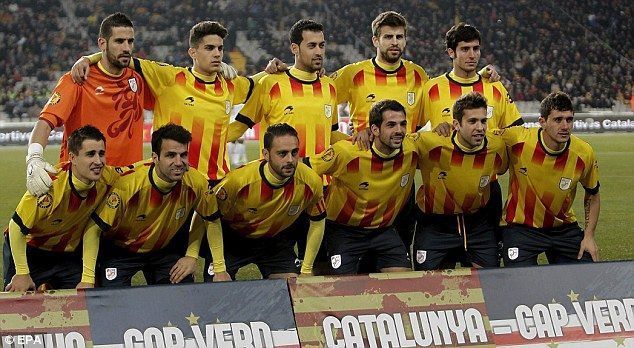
x=295 y=49
x=456 y=124
x=375 y=130
x=192 y=52
x=451 y=53
x=541 y=120
x=155 y=157
x=375 y=41
x=102 y=43
x=265 y=154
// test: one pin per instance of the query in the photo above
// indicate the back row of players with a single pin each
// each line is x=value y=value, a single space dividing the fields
x=139 y=218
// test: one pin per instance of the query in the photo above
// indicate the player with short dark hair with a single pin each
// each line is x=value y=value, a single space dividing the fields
x=142 y=219
x=367 y=191
x=546 y=165
x=457 y=173
x=263 y=204
x=113 y=101
x=44 y=235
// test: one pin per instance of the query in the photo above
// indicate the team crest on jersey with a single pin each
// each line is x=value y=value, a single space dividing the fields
x=45 y=201
x=133 y=85
x=180 y=213
x=55 y=98
x=421 y=256
x=404 y=180
x=227 y=107
x=293 y=210
x=328 y=110
x=484 y=181
x=335 y=261
x=489 y=111
x=411 y=97
x=111 y=273
x=564 y=183
x=328 y=155
x=113 y=200
x=513 y=253
x=222 y=194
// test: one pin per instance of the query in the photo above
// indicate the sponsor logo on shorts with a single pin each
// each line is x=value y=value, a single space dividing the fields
x=564 y=183
x=484 y=181
x=111 y=273
x=513 y=253
x=210 y=269
x=421 y=256
x=335 y=261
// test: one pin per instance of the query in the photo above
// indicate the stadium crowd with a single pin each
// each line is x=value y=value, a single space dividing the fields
x=581 y=48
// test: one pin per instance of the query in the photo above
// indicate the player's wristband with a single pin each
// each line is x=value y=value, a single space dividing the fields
x=35 y=148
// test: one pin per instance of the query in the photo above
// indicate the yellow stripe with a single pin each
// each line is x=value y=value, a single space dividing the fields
x=45 y=320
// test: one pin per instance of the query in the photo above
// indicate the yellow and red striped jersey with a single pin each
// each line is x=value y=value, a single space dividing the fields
x=364 y=83
x=202 y=107
x=57 y=220
x=440 y=93
x=308 y=106
x=254 y=207
x=139 y=217
x=543 y=184
x=457 y=180
x=367 y=189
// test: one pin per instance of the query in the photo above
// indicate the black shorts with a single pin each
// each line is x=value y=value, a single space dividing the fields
x=117 y=266
x=405 y=221
x=272 y=255
x=522 y=244
x=347 y=245
x=439 y=244
x=61 y=270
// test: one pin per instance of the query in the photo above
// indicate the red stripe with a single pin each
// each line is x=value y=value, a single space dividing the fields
x=434 y=154
x=511 y=206
x=212 y=165
x=455 y=90
x=301 y=134
x=180 y=79
x=175 y=192
x=398 y=163
x=198 y=128
x=538 y=156
x=368 y=214
x=92 y=195
x=199 y=86
x=479 y=160
x=579 y=166
x=74 y=203
x=353 y=166
x=134 y=200
x=333 y=92
x=266 y=192
x=418 y=80
x=498 y=162
x=308 y=193
x=297 y=88
x=433 y=93
x=230 y=86
x=517 y=149
x=64 y=241
x=377 y=164
x=218 y=87
x=359 y=79
x=320 y=138
x=289 y=190
x=380 y=78
x=401 y=76
x=156 y=198
x=275 y=92
x=175 y=118
x=449 y=206
x=388 y=215
x=496 y=94
x=348 y=208
x=140 y=239
x=529 y=206
x=560 y=162
x=479 y=87
x=457 y=158
x=430 y=193
x=468 y=201
x=243 y=194
x=317 y=90
x=549 y=218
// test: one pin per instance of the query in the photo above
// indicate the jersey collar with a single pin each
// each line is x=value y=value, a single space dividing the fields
x=298 y=72
x=385 y=159
x=155 y=186
x=196 y=76
x=466 y=151
x=462 y=82
x=376 y=65
x=546 y=149
x=73 y=188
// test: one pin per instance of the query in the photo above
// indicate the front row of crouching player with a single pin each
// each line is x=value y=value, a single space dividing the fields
x=132 y=217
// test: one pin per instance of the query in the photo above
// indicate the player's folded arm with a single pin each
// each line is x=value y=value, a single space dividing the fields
x=102 y=224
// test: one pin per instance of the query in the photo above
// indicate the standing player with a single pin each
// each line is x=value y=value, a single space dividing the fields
x=113 y=101
x=368 y=190
x=546 y=164
x=456 y=173
x=44 y=233
x=261 y=204
x=141 y=219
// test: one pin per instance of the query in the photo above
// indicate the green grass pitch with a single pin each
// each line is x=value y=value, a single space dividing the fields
x=616 y=167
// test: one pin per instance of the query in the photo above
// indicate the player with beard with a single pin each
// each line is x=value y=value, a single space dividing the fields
x=367 y=191
x=261 y=205
x=457 y=173
x=113 y=101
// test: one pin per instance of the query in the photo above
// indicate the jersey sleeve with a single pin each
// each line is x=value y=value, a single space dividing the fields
x=327 y=162
x=207 y=206
x=590 y=175
x=511 y=135
x=111 y=210
x=243 y=88
x=510 y=115
x=225 y=193
x=343 y=83
x=29 y=211
x=157 y=75
x=62 y=102
x=257 y=105
x=316 y=210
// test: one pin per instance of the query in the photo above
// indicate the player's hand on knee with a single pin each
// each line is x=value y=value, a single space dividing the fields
x=20 y=283
x=79 y=71
x=83 y=285
x=222 y=277
x=443 y=129
x=276 y=66
x=589 y=245
x=363 y=139
x=185 y=266
x=491 y=73
x=228 y=71
x=38 y=180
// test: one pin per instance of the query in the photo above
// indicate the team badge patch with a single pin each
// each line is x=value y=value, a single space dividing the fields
x=133 y=85
x=180 y=213
x=421 y=256
x=335 y=261
x=293 y=210
x=113 y=200
x=404 y=180
x=45 y=201
x=55 y=98
x=411 y=98
x=328 y=155
x=484 y=181
x=513 y=253
x=210 y=270
x=564 y=183
x=111 y=273
x=227 y=107
x=328 y=110
x=489 y=111
x=221 y=194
